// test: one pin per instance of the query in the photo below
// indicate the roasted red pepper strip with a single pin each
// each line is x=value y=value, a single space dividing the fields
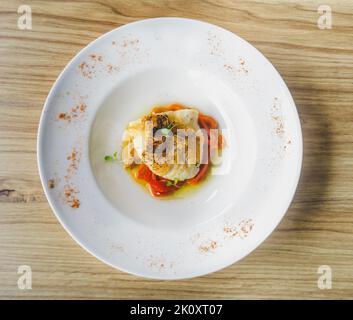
x=157 y=186
x=207 y=122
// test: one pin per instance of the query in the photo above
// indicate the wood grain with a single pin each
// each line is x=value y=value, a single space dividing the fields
x=318 y=228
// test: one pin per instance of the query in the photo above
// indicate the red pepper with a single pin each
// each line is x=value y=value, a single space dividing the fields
x=156 y=184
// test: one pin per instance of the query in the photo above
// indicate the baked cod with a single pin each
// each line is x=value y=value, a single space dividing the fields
x=145 y=141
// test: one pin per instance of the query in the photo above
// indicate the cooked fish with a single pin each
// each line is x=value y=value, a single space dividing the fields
x=144 y=137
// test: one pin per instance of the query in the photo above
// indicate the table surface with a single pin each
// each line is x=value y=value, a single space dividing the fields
x=317 y=230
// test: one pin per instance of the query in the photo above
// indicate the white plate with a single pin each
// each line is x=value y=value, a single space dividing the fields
x=117 y=78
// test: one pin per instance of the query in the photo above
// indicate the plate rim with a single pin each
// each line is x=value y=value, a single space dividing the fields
x=258 y=242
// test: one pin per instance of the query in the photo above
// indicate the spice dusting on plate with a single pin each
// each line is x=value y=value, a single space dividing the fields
x=215 y=44
x=279 y=129
x=71 y=196
x=96 y=57
x=74 y=159
x=70 y=191
x=159 y=263
x=76 y=112
x=236 y=70
x=211 y=246
x=51 y=183
x=277 y=118
x=75 y=203
x=130 y=42
x=64 y=116
x=243 y=67
x=111 y=68
x=86 y=70
x=242 y=229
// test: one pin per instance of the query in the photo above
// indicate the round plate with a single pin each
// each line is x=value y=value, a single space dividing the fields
x=118 y=78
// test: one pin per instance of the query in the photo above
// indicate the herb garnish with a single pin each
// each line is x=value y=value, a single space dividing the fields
x=111 y=157
x=171 y=183
x=166 y=131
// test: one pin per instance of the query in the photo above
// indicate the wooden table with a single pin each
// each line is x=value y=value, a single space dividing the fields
x=318 y=228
